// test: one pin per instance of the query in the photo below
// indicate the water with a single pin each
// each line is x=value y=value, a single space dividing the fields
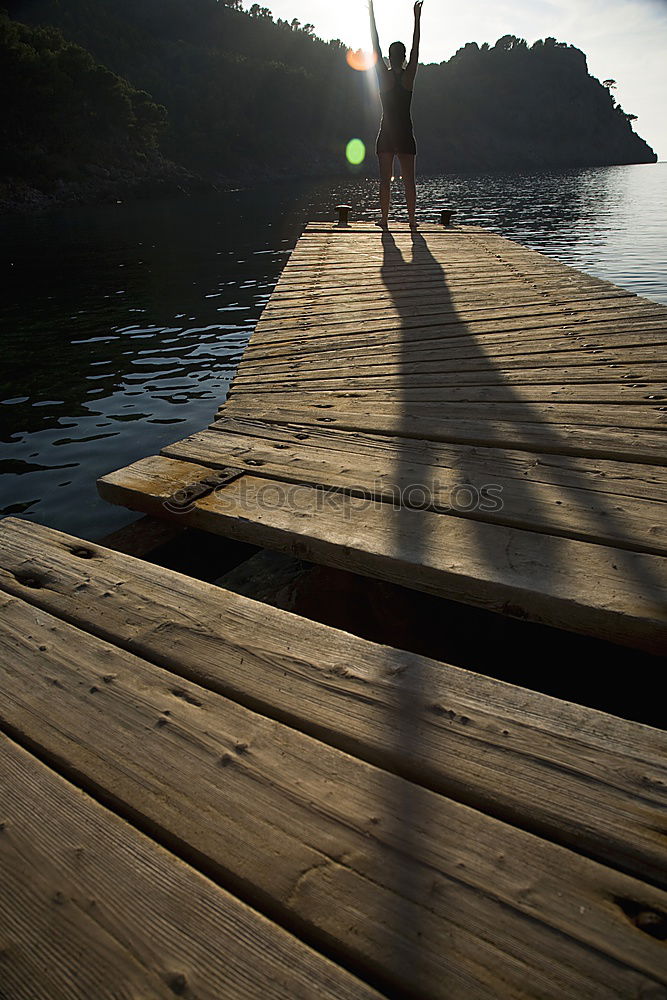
x=122 y=325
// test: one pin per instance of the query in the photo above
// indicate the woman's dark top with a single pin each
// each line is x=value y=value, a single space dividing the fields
x=396 y=134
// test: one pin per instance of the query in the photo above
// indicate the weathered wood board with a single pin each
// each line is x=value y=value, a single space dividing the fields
x=587 y=780
x=491 y=566
x=92 y=909
x=423 y=894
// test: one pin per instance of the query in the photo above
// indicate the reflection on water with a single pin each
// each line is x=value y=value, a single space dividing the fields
x=123 y=324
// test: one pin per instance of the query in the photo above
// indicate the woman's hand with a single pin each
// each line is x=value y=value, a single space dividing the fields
x=418 y=8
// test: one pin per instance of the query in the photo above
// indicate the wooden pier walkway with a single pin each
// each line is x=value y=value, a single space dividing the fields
x=449 y=411
x=204 y=796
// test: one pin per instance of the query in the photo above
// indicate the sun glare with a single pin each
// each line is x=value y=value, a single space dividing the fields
x=360 y=60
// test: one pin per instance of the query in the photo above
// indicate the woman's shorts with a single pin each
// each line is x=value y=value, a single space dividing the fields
x=396 y=144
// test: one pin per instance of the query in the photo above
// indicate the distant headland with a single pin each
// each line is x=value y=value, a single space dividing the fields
x=114 y=99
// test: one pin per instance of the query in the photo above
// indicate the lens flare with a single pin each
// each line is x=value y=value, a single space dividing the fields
x=355 y=152
x=360 y=60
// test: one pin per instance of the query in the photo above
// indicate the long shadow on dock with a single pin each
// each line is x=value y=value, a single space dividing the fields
x=400 y=267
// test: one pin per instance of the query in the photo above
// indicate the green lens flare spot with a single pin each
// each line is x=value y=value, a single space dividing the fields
x=355 y=152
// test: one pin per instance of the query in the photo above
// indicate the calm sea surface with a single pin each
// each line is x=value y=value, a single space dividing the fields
x=122 y=325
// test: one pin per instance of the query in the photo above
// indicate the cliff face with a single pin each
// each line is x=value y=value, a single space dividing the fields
x=514 y=106
x=200 y=85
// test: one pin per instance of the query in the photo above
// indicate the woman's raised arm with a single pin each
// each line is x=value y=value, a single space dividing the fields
x=374 y=33
x=414 y=53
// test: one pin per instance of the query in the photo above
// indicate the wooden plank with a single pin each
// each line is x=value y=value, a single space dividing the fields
x=432 y=373
x=464 y=255
x=327 y=282
x=297 y=285
x=297 y=276
x=516 y=320
x=353 y=855
x=399 y=389
x=640 y=346
x=408 y=296
x=430 y=310
x=432 y=265
x=91 y=908
x=376 y=454
x=456 y=243
x=359 y=225
x=452 y=251
x=459 y=323
x=412 y=293
x=471 y=267
x=411 y=277
x=321 y=273
x=423 y=253
x=542 y=371
x=456 y=254
x=461 y=257
x=510 y=356
x=554 y=429
x=587 y=404
x=534 y=406
x=469 y=352
x=561 y=508
x=437 y=313
x=483 y=337
x=515 y=572
x=429 y=306
x=579 y=777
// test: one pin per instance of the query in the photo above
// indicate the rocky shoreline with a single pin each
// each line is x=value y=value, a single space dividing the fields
x=96 y=184
x=147 y=178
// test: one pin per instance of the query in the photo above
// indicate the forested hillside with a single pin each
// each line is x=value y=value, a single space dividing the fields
x=66 y=117
x=230 y=94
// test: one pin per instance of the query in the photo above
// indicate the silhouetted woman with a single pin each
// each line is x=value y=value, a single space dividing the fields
x=396 y=137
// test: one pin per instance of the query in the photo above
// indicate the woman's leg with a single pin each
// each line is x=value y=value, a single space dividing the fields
x=408 y=171
x=386 y=166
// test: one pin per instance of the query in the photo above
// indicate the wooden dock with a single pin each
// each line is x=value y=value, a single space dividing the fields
x=204 y=796
x=449 y=411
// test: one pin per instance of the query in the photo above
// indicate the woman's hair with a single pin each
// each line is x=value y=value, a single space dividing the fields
x=397 y=54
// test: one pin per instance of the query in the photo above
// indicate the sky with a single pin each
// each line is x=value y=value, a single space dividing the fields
x=625 y=40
